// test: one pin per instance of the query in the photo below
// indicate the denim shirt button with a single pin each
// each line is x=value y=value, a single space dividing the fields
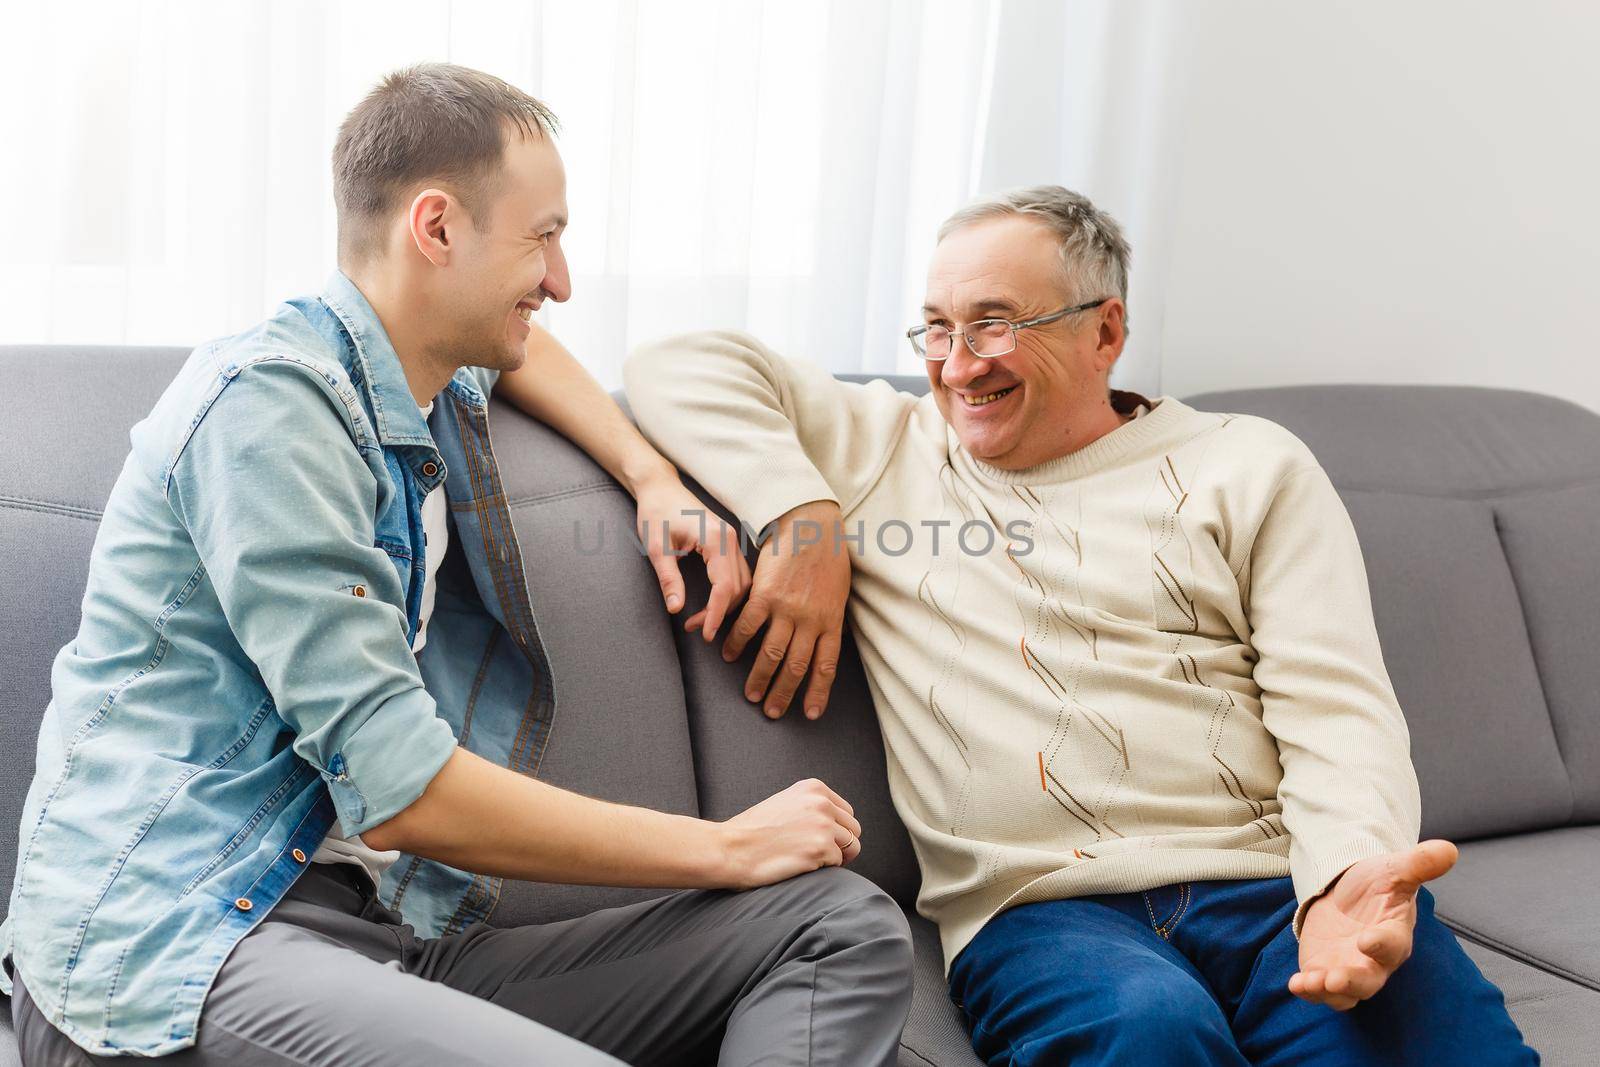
x=243 y=904
x=360 y=590
x=299 y=857
x=430 y=468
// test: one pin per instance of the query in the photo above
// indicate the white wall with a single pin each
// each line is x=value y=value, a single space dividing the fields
x=1354 y=190
x=1362 y=191
x=766 y=166
x=1084 y=94
x=1389 y=192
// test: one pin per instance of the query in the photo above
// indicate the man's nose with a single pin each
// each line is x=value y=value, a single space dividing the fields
x=962 y=368
x=557 y=281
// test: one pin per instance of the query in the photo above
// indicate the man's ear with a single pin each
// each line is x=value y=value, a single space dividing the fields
x=432 y=210
x=1112 y=334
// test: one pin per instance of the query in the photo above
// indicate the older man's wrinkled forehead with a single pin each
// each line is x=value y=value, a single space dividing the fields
x=1005 y=267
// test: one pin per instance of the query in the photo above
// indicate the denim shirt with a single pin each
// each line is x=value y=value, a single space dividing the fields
x=243 y=672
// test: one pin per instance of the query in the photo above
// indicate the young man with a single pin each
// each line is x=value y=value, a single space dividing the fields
x=1123 y=655
x=257 y=720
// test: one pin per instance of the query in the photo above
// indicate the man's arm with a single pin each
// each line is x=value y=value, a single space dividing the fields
x=762 y=433
x=481 y=817
x=783 y=444
x=553 y=387
x=556 y=389
x=1349 y=792
x=280 y=506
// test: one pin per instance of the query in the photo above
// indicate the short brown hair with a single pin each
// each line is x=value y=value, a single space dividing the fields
x=433 y=120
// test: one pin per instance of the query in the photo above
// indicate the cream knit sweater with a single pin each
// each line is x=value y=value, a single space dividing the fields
x=1157 y=665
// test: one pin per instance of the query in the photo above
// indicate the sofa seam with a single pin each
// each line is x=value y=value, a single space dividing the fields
x=1538 y=668
x=1521 y=955
x=76 y=512
x=18 y=503
x=1474 y=494
x=907 y=1048
x=564 y=493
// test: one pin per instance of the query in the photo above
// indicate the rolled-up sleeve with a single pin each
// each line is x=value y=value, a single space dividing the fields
x=281 y=506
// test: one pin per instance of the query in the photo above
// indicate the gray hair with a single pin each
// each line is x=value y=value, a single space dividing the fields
x=1094 y=254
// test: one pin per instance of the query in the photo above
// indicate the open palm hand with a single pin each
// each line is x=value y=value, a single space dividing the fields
x=1359 y=932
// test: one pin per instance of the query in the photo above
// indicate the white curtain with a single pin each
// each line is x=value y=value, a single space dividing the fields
x=778 y=167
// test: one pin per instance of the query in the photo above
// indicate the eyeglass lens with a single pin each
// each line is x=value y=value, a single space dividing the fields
x=991 y=337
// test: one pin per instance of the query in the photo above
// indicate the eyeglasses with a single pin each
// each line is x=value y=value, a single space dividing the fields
x=987 y=338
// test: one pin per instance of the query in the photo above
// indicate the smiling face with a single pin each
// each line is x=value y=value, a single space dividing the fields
x=1049 y=396
x=502 y=273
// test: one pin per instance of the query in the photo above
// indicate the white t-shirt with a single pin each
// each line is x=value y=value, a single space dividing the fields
x=336 y=848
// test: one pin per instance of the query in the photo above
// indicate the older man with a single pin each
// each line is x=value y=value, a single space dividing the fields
x=1123 y=655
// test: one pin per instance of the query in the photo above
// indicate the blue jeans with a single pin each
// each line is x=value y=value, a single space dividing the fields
x=1198 y=973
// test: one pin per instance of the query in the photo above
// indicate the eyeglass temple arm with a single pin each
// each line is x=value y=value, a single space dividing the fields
x=1063 y=313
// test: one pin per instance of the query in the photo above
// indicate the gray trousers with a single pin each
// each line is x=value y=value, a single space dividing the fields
x=815 y=970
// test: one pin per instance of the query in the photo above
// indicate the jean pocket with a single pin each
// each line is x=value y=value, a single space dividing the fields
x=1175 y=911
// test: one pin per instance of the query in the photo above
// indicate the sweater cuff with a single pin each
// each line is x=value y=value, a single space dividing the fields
x=1315 y=870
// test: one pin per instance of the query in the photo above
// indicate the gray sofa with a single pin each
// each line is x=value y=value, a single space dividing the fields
x=1478 y=511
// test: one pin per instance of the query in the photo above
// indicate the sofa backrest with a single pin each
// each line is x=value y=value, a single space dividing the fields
x=1479 y=517
x=742 y=757
x=1476 y=510
x=620 y=731
x=63 y=438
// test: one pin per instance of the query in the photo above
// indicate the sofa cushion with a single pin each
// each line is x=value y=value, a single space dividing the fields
x=1552 y=542
x=67 y=443
x=935 y=1033
x=9 y=1055
x=1439 y=440
x=38 y=615
x=1559 y=1019
x=1531 y=897
x=1475 y=509
x=54 y=487
x=619 y=733
x=1458 y=655
x=742 y=757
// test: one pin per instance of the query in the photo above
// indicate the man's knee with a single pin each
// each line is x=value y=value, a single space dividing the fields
x=1439 y=1007
x=871 y=916
x=822 y=891
x=852 y=912
x=1165 y=1011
